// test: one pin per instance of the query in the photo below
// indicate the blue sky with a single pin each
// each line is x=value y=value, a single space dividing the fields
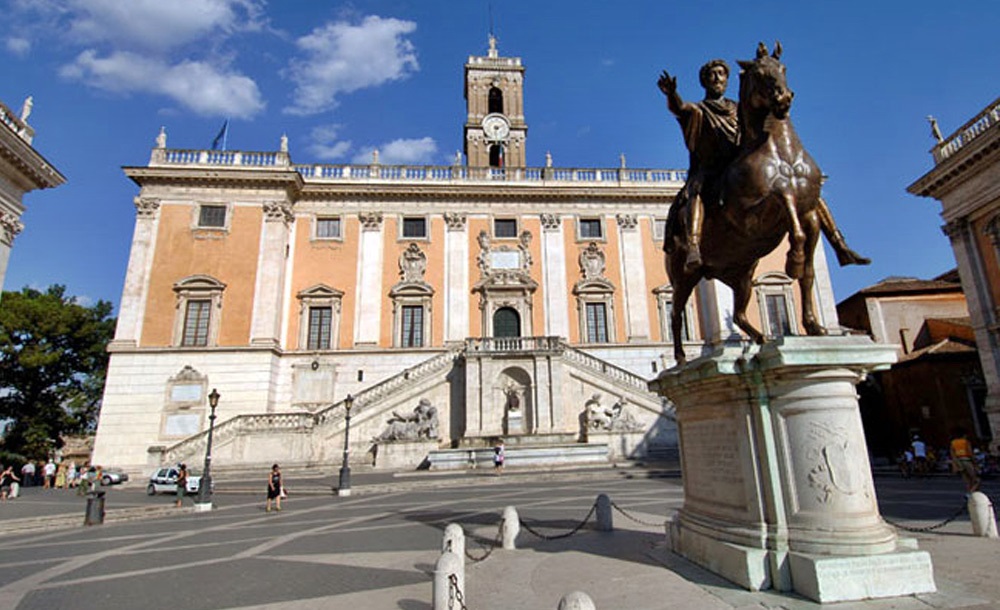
x=343 y=78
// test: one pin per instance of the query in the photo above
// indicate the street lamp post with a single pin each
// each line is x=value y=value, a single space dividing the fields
x=205 y=489
x=344 y=486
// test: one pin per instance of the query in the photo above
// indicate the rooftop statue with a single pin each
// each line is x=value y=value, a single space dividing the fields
x=750 y=183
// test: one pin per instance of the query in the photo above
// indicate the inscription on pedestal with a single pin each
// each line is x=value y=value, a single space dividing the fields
x=712 y=470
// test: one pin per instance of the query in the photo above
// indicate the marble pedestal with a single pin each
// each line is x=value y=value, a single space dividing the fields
x=778 y=491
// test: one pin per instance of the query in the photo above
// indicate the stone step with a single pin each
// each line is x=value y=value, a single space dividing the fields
x=531 y=455
x=518 y=440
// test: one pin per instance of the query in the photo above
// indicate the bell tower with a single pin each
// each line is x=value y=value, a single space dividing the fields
x=495 y=131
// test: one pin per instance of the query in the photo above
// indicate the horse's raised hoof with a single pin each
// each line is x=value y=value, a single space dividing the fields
x=846 y=256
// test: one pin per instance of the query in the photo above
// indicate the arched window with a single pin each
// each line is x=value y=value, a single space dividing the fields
x=506 y=323
x=496 y=155
x=495 y=100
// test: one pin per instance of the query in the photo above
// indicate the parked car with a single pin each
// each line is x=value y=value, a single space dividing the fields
x=164 y=480
x=113 y=476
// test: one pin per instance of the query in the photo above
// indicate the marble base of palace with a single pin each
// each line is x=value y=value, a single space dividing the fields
x=778 y=491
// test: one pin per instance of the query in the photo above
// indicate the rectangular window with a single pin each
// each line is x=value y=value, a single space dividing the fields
x=415 y=227
x=328 y=228
x=590 y=228
x=597 y=323
x=668 y=310
x=659 y=228
x=196 y=323
x=504 y=227
x=413 y=326
x=212 y=216
x=777 y=315
x=319 y=327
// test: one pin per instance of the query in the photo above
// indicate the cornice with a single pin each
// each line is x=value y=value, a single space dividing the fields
x=527 y=193
x=34 y=171
x=947 y=175
x=288 y=179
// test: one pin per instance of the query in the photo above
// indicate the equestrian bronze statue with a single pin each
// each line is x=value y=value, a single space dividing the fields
x=750 y=183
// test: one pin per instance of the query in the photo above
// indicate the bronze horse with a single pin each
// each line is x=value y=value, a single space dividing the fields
x=770 y=190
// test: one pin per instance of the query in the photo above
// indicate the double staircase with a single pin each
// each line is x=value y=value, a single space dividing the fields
x=323 y=427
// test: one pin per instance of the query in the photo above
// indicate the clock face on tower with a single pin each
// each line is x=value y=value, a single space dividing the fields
x=495 y=126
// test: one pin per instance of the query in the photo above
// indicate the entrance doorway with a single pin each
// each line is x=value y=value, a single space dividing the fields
x=506 y=323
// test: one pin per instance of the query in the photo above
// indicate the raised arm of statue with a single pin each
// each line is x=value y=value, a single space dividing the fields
x=668 y=85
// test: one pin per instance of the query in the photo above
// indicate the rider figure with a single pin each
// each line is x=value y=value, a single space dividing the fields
x=711 y=133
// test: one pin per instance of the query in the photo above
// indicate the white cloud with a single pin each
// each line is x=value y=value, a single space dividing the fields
x=156 y=25
x=325 y=144
x=18 y=46
x=204 y=88
x=341 y=58
x=401 y=152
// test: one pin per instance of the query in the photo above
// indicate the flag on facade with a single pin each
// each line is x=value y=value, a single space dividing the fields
x=221 y=138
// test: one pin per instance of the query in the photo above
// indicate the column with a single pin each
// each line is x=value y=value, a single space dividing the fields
x=10 y=227
x=132 y=308
x=368 y=312
x=826 y=303
x=633 y=274
x=265 y=326
x=554 y=277
x=456 y=278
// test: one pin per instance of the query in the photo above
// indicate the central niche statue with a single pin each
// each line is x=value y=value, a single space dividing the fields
x=750 y=183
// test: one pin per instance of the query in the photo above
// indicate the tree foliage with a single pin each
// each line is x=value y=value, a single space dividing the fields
x=53 y=360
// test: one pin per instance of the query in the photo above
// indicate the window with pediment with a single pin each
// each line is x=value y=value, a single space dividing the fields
x=595 y=298
x=776 y=303
x=319 y=317
x=198 y=311
x=665 y=308
x=412 y=298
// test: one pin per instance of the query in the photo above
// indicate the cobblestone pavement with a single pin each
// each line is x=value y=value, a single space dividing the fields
x=376 y=549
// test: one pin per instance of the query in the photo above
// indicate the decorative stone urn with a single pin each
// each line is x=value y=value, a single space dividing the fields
x=778 y=491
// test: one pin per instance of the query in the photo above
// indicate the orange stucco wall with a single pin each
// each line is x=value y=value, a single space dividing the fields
x=230 y=257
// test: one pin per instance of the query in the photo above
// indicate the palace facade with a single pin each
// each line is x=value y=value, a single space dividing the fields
x=495 y=298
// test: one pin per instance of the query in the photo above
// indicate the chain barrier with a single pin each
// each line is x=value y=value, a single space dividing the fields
x=489 y=551
x=455 y=594
x=928 y=528
x=576 y=529
x=633 y=517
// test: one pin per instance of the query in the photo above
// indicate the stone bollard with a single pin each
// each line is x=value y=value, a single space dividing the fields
x=605 y=520
x=454 y=541
x=577 y=600
x=984 y=521
x=448 y=564
x=511 y=527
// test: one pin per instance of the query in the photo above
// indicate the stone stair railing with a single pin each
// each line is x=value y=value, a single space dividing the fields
x=607 y=370
x=304 y=422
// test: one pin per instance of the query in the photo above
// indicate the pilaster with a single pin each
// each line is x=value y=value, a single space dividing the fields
x=132 y=308
x=265 y=326
x=368 y=315
x=633 y=274
x=456 y=278
x=554 y=276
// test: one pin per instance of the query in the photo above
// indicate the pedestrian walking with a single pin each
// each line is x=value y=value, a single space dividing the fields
x=275 y=489
x=28 y=473
x=919 y=449
x=499 y=456
x=962 y=460
x=182 y=484
x=49 y=470
x=7 y=482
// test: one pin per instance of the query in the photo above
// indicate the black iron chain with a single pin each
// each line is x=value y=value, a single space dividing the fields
x=489 y=551
x=455 y=594
x=634 y=518
x=928 y=528
x=579 y=526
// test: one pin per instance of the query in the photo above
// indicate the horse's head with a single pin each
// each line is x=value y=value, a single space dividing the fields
x=763 y=85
